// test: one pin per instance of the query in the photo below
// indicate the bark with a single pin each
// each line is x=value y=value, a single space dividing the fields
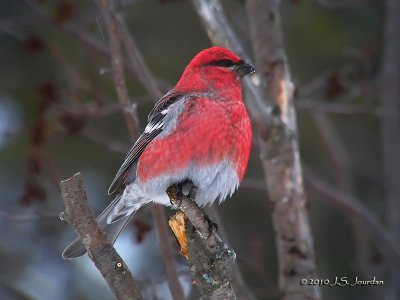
x=280 y=156
x=210 y=260
x=100 y=250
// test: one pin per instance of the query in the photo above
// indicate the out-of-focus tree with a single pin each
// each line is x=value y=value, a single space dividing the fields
x=59 y=114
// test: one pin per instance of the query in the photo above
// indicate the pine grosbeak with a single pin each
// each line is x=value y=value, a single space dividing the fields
x=199 y=131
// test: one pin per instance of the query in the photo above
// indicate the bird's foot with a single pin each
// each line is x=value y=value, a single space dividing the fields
x=212 y=227
x=174 y=193
x=179 y=190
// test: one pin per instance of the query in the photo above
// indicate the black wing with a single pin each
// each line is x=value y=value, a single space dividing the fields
x=153 y=128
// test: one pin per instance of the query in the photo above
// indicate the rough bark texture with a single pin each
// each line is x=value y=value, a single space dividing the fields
x=101 y=252
x=209 y=259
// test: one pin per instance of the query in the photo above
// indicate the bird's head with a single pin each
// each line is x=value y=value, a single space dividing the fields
x=214 y=66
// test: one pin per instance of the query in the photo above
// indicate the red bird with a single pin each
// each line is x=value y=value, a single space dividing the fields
x=199 y=131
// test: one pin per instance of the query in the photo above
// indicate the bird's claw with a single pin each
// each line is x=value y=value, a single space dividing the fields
x=212 y=227
x=174 y=193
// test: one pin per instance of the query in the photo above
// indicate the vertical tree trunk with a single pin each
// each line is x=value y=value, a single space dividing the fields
x=280 y=155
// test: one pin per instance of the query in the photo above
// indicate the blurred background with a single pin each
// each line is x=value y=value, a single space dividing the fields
x=59 y=114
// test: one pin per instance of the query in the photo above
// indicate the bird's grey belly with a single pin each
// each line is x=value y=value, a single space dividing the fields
x=216 y=181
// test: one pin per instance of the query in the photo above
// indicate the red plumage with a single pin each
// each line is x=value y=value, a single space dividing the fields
x=199 y=131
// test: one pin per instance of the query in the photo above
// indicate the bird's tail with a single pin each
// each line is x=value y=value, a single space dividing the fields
x=112 y=229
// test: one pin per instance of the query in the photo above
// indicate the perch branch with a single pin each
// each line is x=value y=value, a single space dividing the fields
x=210 y=260
x=101 y=252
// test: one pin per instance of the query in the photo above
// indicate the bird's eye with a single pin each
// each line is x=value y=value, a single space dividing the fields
x=225 y=63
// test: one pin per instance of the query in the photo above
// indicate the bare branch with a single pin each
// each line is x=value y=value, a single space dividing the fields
x=345 y=202
x=131 y=120
x=28 y=217
x=115 y=31
x=220 y=32
x=167 y=252
x=210 y=260
x=341 y=163
x=101 y=252
x=137 y=61
x=85 y=38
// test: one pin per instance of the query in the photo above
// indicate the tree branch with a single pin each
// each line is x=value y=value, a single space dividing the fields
x=209 y=259
x=341 y=164
x=101 y=252
x=117 y=32
x=347 y=203
x=28 y=217
x=131 y=120
x=85 y=38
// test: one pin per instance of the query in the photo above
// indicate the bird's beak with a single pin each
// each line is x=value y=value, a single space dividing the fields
x=244 y=69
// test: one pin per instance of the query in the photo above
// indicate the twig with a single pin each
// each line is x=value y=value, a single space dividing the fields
x=221 y=33
x=75 y=31
x=118 y=68
x=115 y=29
x=167 y=252
x=337 y=4
x=101 y=252
x=35 y=216
x=137 y=61
x=336 y=108
x=339 y=156
x=210 y=260
x=346 y=202
x=105 y=142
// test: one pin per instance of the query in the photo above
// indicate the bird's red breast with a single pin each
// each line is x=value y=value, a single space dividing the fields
x=208 y=131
